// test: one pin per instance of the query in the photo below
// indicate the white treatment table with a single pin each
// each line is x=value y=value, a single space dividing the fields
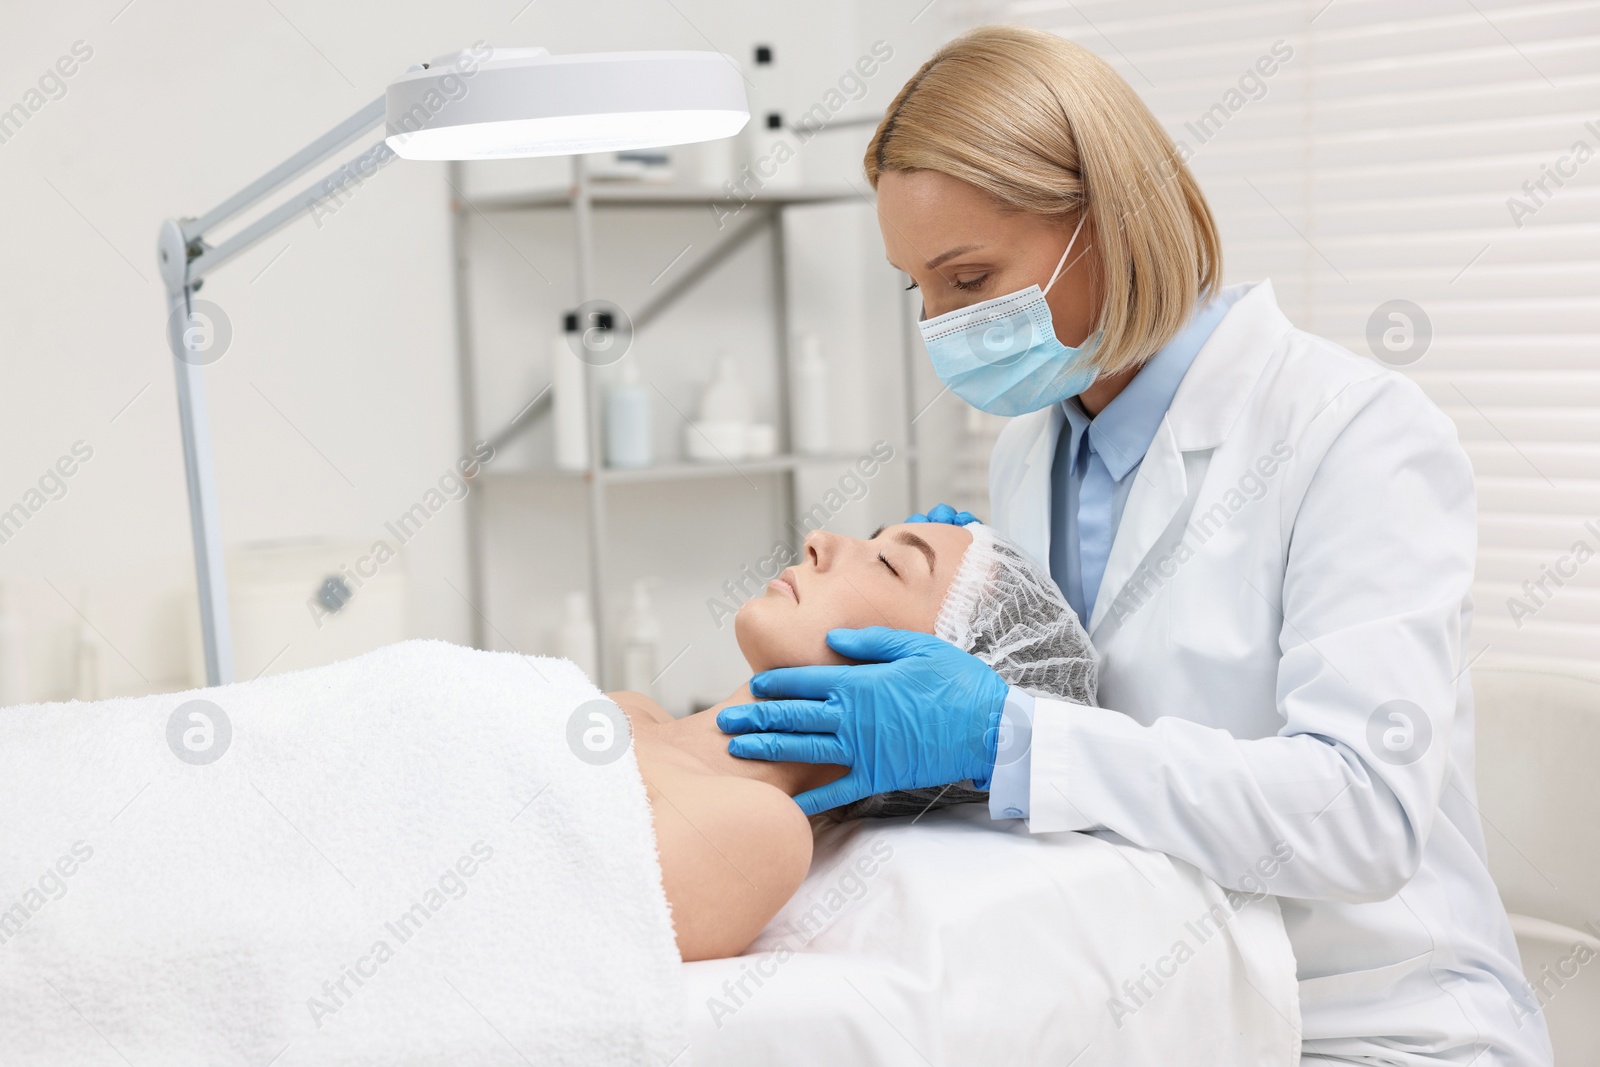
x=961 y=941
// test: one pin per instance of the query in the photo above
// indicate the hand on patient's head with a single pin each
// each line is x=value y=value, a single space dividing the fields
x=946 y=514
x=1005 y=608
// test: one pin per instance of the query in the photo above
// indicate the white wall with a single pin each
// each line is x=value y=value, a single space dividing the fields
x=335 y=407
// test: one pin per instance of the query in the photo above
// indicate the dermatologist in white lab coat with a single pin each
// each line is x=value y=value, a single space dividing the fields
x=1272 y=541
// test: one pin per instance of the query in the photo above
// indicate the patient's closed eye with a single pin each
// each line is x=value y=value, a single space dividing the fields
x=910 y=540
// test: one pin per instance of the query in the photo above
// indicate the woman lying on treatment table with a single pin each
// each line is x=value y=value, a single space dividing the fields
x=732 y=844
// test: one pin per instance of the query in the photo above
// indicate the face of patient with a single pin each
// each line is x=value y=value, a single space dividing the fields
x=897 y=579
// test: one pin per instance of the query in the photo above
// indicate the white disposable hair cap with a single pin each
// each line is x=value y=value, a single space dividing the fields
x=1005 y=609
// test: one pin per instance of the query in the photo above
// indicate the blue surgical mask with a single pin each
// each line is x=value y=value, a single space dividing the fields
x=1002 y=355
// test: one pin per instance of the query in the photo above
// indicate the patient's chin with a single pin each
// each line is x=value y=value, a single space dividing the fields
x=755 y=630
x=770 y=637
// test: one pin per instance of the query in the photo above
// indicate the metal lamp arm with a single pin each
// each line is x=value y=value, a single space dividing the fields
x=185 y=257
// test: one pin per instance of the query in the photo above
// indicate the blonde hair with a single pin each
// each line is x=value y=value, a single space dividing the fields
x=1046 y=127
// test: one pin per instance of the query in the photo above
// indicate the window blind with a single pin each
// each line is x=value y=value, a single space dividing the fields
x=1421 y=181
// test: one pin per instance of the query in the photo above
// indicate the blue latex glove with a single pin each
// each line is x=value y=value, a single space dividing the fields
x=916 y=712
x=946 y=514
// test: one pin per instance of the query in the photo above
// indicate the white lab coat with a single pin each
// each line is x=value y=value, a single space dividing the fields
x=1295 y=553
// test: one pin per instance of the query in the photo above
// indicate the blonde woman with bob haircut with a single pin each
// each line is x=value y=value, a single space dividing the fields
x=1269 y=539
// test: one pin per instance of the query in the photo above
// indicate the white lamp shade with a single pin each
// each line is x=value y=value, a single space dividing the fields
x=508 y=103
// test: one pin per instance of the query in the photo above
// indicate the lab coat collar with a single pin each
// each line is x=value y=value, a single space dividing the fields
x=1204 y=409
x=1213 y=393
x=1121 y=433
x=1025 y=516
x=1159 y=490
x=1207 y=404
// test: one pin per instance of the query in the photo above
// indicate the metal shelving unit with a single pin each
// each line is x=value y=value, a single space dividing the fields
x=760 y=214
x=680 y=470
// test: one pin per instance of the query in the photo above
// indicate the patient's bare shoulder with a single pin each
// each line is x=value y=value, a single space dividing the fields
x=733 y=851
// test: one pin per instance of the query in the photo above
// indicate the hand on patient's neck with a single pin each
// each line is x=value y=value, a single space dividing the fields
x=699 y=736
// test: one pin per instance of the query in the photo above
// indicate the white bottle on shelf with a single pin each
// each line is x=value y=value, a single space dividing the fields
x=570 y=402
x=725 y=416
x=771 y=153
x=808 y=411
x=715 y=162
x=13 y=654
x=85 y=657
x=641 y=643
x=628 y=431
x=577 y=639
x=726 y=399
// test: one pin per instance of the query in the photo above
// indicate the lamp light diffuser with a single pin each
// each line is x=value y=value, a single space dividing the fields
x=508 y=103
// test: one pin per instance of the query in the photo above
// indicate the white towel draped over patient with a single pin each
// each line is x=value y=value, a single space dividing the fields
x=397 y=859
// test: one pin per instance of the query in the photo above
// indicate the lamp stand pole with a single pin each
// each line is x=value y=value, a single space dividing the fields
x=185 y=260
x=210 y=574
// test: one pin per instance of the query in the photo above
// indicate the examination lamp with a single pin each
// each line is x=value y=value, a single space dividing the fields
x=478 y=103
